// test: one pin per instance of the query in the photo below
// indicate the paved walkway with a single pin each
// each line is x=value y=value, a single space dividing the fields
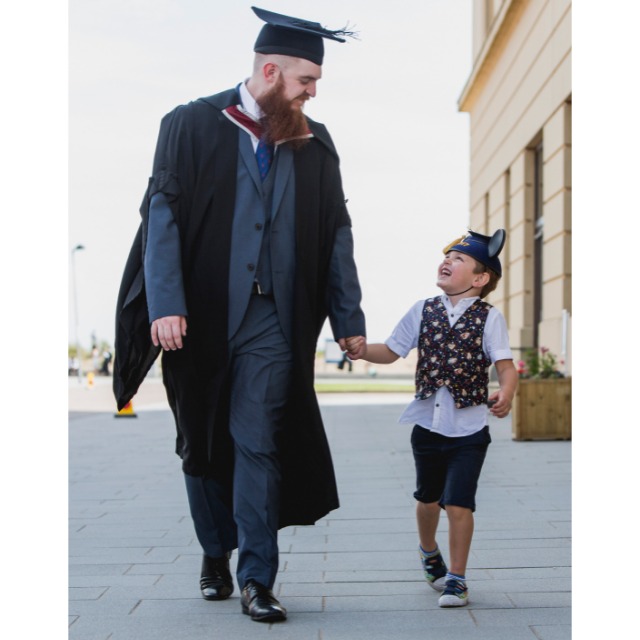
x=134 y=561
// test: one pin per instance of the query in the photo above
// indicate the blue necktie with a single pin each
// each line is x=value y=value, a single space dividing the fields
x=264 y=156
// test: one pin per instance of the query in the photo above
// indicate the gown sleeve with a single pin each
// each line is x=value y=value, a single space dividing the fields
x=345 y=314
x=162 y=262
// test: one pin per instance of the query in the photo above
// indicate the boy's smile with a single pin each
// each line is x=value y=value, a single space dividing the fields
x=456 y=268
x=456 y=274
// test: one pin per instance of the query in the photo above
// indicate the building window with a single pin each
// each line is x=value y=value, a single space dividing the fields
x=538 y=240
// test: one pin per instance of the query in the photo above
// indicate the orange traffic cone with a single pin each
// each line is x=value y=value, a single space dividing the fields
x=126 y=411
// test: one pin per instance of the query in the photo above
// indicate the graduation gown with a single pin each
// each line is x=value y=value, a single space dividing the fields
x=195 y=168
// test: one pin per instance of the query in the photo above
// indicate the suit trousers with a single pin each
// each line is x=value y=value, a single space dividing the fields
x=260 y=368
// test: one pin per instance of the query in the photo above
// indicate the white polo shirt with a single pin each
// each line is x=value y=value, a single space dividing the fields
x=438 y=412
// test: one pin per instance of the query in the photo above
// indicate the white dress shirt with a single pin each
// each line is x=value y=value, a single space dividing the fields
x=251 y=108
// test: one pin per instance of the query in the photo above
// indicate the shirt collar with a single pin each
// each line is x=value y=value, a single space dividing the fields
x=249 y=103
x=465 y=303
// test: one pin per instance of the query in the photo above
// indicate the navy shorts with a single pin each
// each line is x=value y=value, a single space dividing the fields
x=447 y=469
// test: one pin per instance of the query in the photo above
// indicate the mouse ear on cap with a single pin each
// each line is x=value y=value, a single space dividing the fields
x=496 y=243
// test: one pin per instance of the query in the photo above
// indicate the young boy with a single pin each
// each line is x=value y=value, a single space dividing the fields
x=458 y=337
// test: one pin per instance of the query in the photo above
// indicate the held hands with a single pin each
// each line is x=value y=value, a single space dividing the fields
x=356 y=346
x=168 y=332
x=501 y=404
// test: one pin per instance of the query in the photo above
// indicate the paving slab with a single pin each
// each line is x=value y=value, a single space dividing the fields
x=134 y=560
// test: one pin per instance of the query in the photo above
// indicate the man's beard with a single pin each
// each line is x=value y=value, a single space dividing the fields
x=281 y=121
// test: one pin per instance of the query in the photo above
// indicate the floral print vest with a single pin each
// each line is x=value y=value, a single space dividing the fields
x=453 y=357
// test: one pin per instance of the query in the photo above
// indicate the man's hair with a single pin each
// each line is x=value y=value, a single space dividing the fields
x=260 y=59
x=493 y=279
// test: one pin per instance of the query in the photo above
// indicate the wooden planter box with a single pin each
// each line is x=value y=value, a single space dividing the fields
x=542 y=410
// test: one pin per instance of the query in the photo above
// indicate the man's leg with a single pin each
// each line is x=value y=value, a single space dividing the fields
x=216 y=532
x=212 y=519
x=261 y=374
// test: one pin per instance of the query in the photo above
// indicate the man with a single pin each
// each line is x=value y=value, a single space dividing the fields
x=245 y=248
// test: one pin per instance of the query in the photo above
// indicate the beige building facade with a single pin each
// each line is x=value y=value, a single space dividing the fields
x=518 y=97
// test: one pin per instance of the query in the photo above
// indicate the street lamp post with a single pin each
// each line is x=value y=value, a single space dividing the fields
x=78 y=247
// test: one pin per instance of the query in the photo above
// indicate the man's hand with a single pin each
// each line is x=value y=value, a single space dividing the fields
x=168 y=332
x=355 y=346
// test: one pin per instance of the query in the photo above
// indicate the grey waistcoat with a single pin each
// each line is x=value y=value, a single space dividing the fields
x=263 y=235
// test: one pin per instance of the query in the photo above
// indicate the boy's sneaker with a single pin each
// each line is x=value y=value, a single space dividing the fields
x=434 y=569
x=455 y=594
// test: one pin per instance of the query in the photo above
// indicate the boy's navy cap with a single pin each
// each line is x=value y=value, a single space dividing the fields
x=485 y=249
x=294 y=37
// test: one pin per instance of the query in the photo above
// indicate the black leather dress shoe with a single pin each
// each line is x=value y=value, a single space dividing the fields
x=215 y=578
x=260 y=603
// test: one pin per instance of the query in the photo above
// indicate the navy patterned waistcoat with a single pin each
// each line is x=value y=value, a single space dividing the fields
x=453 y=356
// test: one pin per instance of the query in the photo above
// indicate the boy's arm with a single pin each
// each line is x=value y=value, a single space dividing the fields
x=508 y=379
x=378 y=353
x=404 y=338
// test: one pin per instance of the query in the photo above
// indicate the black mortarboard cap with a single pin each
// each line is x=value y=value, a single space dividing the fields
x=294 y=37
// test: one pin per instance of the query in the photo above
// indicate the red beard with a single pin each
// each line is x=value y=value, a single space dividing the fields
x=280 y=120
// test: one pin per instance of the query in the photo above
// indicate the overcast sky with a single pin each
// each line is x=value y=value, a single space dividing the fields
x=389 y=100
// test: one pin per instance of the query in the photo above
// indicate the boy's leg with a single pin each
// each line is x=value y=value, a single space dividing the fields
x=465 y=459
x=430 y=476
x=431 y=473
x=460 y=535
x=427 y=518
x=431 y=470
x=455 y=592
x=433 y=564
